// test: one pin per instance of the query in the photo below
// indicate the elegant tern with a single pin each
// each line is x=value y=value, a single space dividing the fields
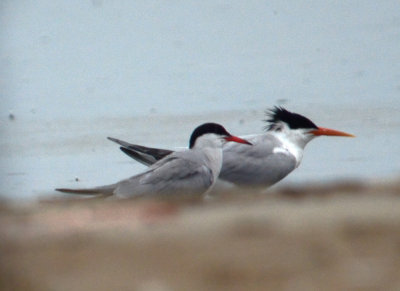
x=274 y=154
x=193 y=171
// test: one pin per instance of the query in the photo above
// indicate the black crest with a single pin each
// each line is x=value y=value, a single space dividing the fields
x=207 y=128
x=293 y=120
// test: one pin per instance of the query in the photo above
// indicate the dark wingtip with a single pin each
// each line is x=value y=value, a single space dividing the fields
x=77 y=191
x=112 y=139
x=61 y=189
x=130 y=152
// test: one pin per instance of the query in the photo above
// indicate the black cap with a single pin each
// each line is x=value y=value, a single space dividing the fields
x=207 y=128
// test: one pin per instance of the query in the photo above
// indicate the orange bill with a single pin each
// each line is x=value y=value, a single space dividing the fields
x=331 y=132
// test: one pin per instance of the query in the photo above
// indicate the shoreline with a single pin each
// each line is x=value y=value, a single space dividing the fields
x=337 y=236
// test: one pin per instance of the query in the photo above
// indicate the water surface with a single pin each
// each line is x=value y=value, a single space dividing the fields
x=74 y=72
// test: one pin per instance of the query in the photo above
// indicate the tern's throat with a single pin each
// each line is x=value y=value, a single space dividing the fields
x=294 y=143
x=211 y=147
x=213 y=160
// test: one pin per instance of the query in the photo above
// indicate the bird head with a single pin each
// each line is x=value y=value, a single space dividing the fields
x=297 y=127
x=213 y=134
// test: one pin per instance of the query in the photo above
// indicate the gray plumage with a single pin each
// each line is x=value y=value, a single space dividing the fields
x=192 y=171
x=188 y=172
x=274 y=154
x=259 y=165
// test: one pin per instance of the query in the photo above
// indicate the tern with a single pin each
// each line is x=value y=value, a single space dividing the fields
x=274 y=154
x=192 y=171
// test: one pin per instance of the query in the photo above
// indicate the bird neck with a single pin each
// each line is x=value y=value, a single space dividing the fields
x=211 y=147
x=213 y=159
x=294 y=141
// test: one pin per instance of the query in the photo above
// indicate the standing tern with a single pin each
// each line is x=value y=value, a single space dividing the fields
x=274 y=154
x=193 y=171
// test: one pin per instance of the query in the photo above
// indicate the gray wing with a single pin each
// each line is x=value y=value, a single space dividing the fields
x=144 y=155
x=172 y=174
x=256 y=165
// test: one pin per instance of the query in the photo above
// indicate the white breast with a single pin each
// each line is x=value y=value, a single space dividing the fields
x=290 y=148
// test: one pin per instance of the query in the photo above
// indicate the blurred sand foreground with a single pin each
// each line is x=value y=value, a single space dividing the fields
x=325 y=237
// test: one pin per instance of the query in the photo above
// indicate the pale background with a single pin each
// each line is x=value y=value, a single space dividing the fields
x=74 y=72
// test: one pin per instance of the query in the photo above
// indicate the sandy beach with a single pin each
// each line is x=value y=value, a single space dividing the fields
x=340 y=236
